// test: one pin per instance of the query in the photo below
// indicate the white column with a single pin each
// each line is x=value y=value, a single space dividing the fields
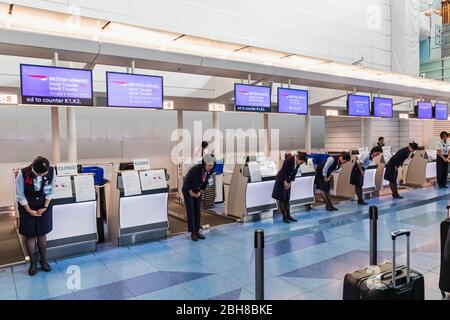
x=308 y=146
x=71 y=135
x=56 y=146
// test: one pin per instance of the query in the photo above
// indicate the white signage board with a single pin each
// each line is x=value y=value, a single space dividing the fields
x=6 y=98
x=153 y=179
x=217 y=107
x=131 y=183
x=255 y=173
x=168 y=105
x=67 y=169
x=63 y=187
x=84 y=187
x=141 y=164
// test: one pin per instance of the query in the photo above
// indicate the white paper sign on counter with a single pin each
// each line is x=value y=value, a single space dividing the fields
x=153 y=179
x=131 y=183
x=84 y=188
x=141 y=164
x=67 y=169
x=255 y=172
x=63 y=188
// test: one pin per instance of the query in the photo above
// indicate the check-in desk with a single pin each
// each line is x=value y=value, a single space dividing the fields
x=74 y=226
x=414 y=170
x=252 y=200
x=341 y=186
x=137 y=218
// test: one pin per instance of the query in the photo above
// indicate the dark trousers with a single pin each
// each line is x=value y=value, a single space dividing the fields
x=359 y=193
x=441 y=172
x=193 y=206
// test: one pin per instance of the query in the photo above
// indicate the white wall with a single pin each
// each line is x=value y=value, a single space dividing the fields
x=338 y=30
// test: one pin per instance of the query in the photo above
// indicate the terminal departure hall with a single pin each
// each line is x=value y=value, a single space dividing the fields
x=221 y=150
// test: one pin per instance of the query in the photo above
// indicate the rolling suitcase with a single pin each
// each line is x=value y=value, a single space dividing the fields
x=444 y=276
x=400 y=283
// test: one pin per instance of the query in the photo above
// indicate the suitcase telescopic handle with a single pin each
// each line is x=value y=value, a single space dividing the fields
x=448 y=212
x=394 y=236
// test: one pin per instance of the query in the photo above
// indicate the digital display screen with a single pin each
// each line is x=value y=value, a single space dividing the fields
x=382 y=107
x=292 y=101
x=441 y=111
x=358 y=105
x=424 y=110
x=55 y=86
x=134 y=90
x=252 y=98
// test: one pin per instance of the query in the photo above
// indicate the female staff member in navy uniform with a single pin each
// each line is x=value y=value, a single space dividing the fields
x=285 y=177
x=195 y=182
x=357 y=175
x=323 y=174
x=35 y=185
x=396 y=162
x=442 y=150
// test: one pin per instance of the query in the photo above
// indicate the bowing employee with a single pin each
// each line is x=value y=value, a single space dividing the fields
x=35 y=185
x=357 y=175
x=323 y=175
x=194 y=184
x=442 y=149
x=381 y=143
x=283 y=182
x=391 y=173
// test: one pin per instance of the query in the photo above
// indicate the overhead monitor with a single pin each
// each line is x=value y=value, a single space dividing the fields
x=424 y=110
x=252 y=98
x=382 y=107
x=292 y=101
x=441 y=111
x=44 y=85
x=134 y=90
x=358 y=105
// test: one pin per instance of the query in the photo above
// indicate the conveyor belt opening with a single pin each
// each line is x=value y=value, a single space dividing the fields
x=11 y=250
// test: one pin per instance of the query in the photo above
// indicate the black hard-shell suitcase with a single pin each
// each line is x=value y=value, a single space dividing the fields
x=385 y=281
x=444 y=276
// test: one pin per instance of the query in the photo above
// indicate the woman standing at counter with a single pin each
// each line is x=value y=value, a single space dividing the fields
x=380 y=143
x=357 y=175
x=396 y=162
x=283 y=181
x=35 y=185
x=323 y=174
x=442 y=149
x=194 y=184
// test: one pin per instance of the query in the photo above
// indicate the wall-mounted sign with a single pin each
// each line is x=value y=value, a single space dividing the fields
x=66 y=169
x=219 y=107
x=141 y=164
x=332 y=113
x=169 y=105
x=6 y=98
x=403 y=116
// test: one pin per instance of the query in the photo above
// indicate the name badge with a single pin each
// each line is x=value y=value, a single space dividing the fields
x=47 y=189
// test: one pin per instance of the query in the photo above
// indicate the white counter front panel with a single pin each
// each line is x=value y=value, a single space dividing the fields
x=73 y=219
x=385 y=182
x=369 y=179
x=143 y=210
x=260 y=194
x=431 y=170
x=302 y=188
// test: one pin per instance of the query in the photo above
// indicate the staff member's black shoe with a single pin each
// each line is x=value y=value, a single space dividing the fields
x=194 y=237
x=329 y=208
x=32 y=270
x=200 y=236
x=362 y=202
x=291 y=219
x=397 y=196
x=334 y=208
x=45 y=266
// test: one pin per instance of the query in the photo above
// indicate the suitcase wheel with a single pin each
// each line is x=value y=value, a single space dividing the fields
x=443 y=294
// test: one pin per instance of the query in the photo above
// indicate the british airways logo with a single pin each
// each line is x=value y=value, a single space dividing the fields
x=38 y=76
x=120 y=83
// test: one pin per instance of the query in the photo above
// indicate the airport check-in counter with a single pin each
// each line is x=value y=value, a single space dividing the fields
x=419 y=169
x=142 y=216
x=74 y=221
x=341 y=187
x=249 y=194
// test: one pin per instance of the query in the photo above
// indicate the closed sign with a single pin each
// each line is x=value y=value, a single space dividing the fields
x=141 y=164
x=67 y=169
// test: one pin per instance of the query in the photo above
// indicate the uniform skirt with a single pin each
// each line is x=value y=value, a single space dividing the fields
x=356 y=178
x=391 y=174
x=30 y=226
x=321 y=184
x=280 y=193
